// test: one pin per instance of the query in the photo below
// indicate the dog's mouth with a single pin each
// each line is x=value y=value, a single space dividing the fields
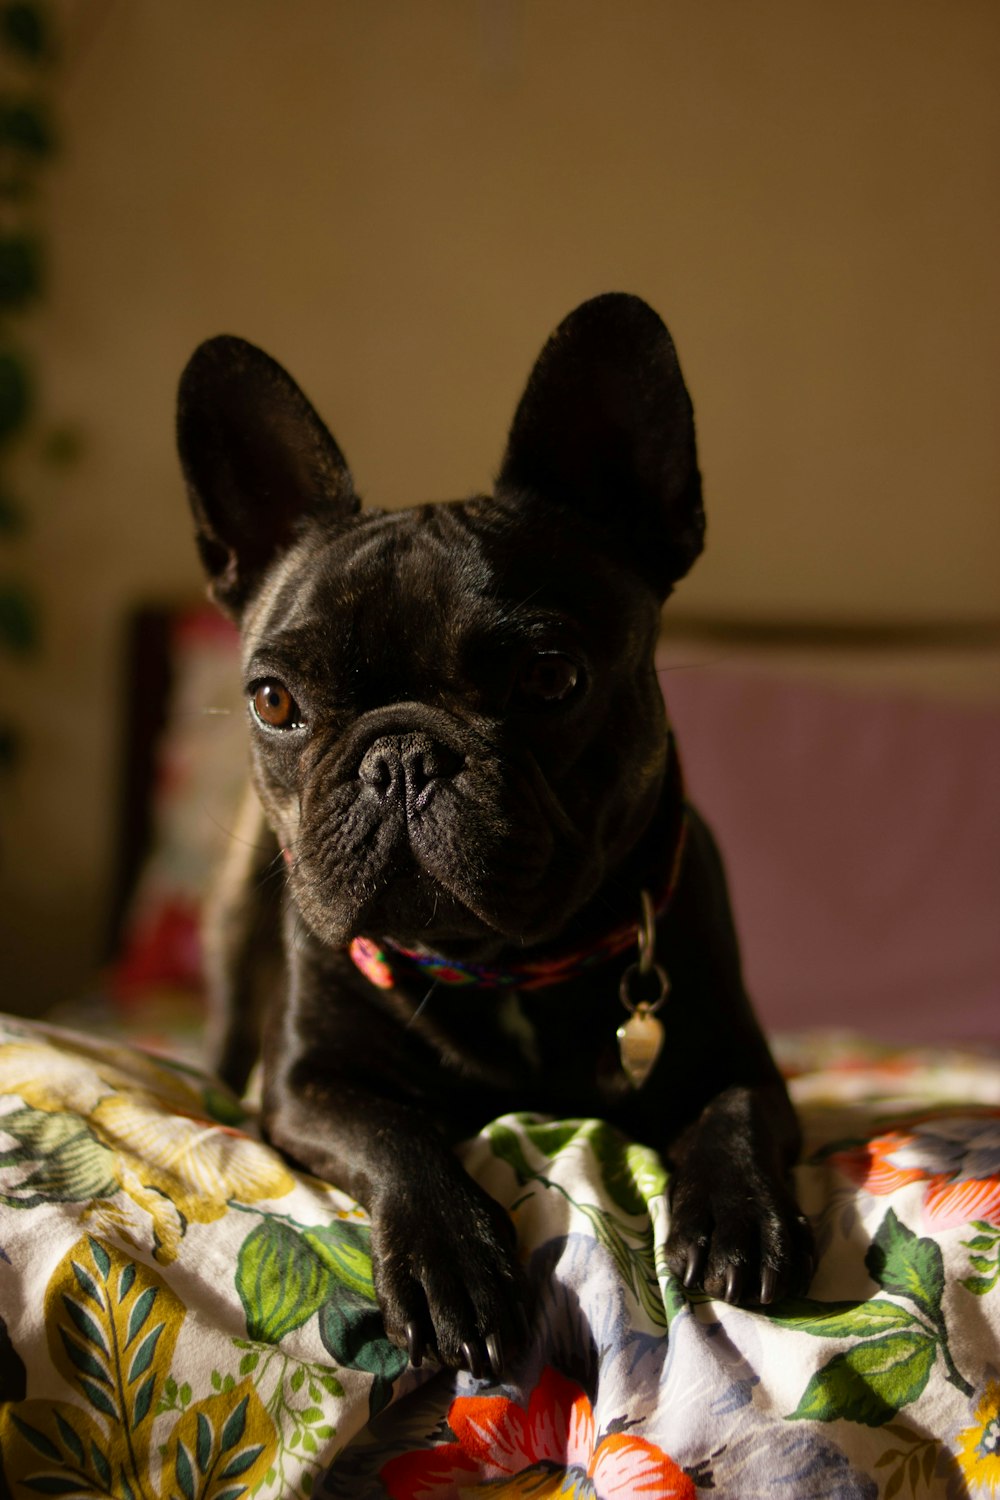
x=415 y=909
x=434 y=845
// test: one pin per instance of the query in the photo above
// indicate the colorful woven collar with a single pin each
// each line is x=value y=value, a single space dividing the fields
x=381 y=962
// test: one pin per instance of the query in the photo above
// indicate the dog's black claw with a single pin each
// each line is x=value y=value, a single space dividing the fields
x=414 y=1345
x=692 y=1270
x=768 y=1283
x=734 y=1283
x=494 y=1354
x=471 y=1360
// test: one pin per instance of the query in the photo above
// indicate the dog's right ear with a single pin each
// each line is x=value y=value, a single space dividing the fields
x=258 y=462
x=605 y=430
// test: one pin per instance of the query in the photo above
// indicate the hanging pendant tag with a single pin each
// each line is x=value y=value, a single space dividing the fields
x=640 y=1040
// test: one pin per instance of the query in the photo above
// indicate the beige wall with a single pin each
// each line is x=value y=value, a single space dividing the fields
x=400 y=197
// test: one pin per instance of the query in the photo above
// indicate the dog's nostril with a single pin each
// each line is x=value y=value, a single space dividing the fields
x=430 y=762
x=379 y=767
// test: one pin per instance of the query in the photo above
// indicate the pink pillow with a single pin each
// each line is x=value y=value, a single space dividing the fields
x=861 y=833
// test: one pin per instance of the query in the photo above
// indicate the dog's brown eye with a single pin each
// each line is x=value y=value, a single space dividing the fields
x=548 y=677
x=274 y=706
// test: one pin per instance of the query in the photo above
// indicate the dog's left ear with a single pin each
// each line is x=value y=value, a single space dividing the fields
x=605 y=428
x=259 y=463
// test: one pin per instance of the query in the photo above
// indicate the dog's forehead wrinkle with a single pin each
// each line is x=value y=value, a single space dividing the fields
x=443 y=553
x=439 y=563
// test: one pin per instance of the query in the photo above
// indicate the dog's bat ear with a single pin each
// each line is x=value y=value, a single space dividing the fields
x=605 y=428
x=258 y=462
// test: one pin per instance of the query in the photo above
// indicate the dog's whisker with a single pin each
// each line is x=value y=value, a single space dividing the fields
x=423 y=1002
x=269 y=878
x=233 y=837
x=695 y=666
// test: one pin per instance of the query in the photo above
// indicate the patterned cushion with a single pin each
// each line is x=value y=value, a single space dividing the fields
x=181 y=1314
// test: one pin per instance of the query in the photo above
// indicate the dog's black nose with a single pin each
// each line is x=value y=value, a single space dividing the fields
x=406 y=765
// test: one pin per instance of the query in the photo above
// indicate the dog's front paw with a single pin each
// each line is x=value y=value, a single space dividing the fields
x=447 y=1279
x=740 y=1238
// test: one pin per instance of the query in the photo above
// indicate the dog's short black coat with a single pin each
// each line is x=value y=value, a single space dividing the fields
x=459 y=745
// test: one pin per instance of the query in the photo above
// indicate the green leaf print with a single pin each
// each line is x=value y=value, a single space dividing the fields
x=984 y=1262
x=871 y=1382
x=281 y=1281
x=353 y=1332
x=110 y=1322
x=112 y=1325
x=675 y=1300
x=631 y=1174
x=647 y=1171
x=506 y=1145
x=628 y=1171
x=552 y=1136
x=48 y=1441
x=286 y=1273
x=67 y=1163
x=891 y=1364
x=913 y=1460
x=831 y=1320
x=345 y=1249
x=549 y=1138
x=634 y=1258
x=220 y=1447
x=907 y=1266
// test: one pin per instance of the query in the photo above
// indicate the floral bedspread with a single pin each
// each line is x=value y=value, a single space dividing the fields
x=183 y=1316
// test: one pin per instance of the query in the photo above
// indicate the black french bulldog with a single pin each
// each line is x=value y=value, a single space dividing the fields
x=460 y=748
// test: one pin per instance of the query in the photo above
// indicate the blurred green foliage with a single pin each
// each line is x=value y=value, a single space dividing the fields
x=27 y=143
x=21 y=270
x=24 y=30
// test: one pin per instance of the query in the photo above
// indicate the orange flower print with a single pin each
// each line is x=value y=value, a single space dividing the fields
x=958 y=1160
x=552 y=1449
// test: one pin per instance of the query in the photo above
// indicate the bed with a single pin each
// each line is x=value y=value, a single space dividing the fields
x=181 y=1314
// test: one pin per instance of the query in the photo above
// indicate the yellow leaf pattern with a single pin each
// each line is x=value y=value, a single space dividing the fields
x=112 y=1325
